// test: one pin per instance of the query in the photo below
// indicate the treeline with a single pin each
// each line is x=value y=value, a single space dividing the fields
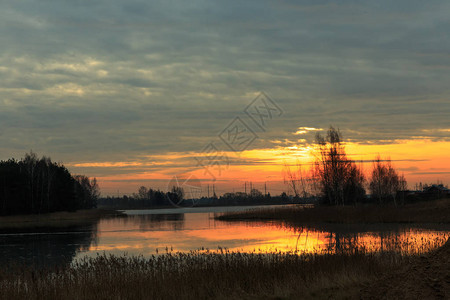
x=35 y=185
x=255 y=196
x=146 y=197
x=150 y=198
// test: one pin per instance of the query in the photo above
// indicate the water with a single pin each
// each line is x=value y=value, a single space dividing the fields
x=154 y=232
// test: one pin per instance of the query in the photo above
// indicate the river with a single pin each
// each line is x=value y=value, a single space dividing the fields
x=155 y=232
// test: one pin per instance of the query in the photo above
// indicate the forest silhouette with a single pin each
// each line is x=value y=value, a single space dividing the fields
x=35 y=185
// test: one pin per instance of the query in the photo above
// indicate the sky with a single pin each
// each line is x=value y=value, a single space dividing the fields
x=136 y=92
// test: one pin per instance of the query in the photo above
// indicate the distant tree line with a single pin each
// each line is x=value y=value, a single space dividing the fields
x=144 y=198
x=148 y=198
x=35 y=185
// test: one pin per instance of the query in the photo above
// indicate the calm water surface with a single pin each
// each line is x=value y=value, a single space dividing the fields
x=153 y=232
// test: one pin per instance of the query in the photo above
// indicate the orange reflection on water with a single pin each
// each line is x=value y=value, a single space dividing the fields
x=156 y=234
x=407 y=241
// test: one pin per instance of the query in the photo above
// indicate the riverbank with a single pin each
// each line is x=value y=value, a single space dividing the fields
x=437 y=211
x=424 y=277
x=55 y=220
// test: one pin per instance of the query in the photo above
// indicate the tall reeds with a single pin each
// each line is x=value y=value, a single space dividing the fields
x=200 y=275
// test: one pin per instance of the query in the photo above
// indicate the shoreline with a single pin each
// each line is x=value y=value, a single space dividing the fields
x=436 y=211
x=62 y=219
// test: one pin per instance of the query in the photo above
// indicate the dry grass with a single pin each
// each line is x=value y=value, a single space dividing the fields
x=226 y=275
x=437 y=211
x=199 y=275
x=53 y=220
x=424 y=277
x=349 y=274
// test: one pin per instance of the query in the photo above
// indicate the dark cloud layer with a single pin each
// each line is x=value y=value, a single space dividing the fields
x=114 y=80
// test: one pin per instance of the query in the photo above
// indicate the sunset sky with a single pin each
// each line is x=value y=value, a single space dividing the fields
x=135 y=92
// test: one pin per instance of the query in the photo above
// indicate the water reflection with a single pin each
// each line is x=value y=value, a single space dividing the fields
x=380 y=238
x=155 y=234
x=151 y=222
x=46 y=247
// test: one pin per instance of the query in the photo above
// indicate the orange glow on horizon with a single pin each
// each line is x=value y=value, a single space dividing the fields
x=421 y=160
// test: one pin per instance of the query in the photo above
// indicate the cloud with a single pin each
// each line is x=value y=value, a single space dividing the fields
x=304 y=130
x=110 y=81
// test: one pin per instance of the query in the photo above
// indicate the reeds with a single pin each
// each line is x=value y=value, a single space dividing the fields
x=203 y=274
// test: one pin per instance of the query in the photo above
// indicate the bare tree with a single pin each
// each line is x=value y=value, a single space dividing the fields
x=385 y=182
x=256 y=194
x=403 y=186
x=50 y=174
x=341 y=181
x=176 y=194
x=89 y=190
x=300 y=181
x=30 y=161
x=291 y=180
x=95 y=191
x=143 y=193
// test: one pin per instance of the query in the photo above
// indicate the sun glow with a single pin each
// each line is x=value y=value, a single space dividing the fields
x=420 y=160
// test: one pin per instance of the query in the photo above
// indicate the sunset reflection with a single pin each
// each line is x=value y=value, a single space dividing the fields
x=156 y=234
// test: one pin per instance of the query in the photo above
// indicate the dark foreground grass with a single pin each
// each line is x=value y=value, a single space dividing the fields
x=200 y=276
x=352 y=274
x=424 y=277
x=437 y=211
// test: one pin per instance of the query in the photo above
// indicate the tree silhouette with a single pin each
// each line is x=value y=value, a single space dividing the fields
x=34 y=185
x=385 y=182
x=341 y=180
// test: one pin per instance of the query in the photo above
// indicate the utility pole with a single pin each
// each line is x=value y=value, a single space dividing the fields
x=208 y=190
x=265 y=189
x=245 y=187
